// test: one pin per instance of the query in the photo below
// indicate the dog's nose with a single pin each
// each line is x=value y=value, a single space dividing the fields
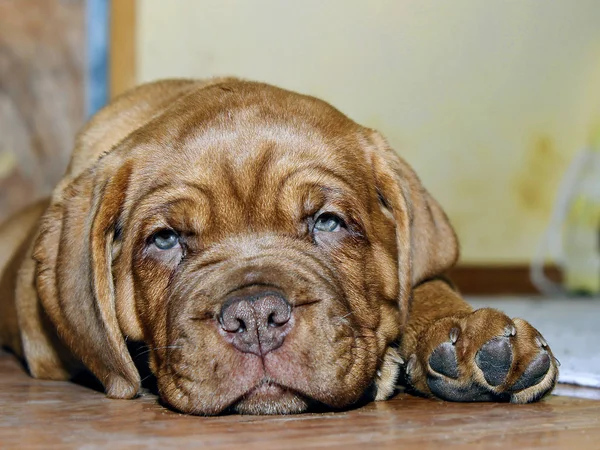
x=256 y=322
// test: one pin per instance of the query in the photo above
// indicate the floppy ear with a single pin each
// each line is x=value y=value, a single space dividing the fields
x=73 y=249
x=73 y=276
x=427 y=244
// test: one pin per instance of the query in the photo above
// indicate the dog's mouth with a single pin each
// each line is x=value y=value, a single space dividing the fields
x=269 y=397
x=256 y=393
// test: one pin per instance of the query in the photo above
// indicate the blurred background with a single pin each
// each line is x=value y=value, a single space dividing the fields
x=490 y=101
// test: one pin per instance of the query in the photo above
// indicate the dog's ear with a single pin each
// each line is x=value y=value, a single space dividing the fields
x=74 y=277
x=427 y=244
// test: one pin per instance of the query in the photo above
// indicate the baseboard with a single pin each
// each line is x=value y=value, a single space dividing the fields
x=497 y=280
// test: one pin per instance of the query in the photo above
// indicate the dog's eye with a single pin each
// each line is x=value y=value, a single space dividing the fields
x=329 y=223
x=165 y=239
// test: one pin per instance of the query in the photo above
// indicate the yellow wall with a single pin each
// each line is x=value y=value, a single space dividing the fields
x=488 y=100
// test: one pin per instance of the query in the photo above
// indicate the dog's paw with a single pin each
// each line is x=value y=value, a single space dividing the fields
x=484 y=356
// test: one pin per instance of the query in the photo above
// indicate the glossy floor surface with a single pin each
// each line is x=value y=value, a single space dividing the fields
x=47 y=414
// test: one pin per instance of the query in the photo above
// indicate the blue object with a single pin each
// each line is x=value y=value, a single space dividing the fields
x=96 y=77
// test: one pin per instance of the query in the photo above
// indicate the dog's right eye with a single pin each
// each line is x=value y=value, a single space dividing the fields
x=329 y=223
x=165 y=239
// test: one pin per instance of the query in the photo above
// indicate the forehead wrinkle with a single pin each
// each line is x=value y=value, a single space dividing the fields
x=228 y=176
x=318 y=174
x=172 y=191
x=246 y=165
x=262 y=172
x=336 y=200
x=188 y=214
x=164 y=195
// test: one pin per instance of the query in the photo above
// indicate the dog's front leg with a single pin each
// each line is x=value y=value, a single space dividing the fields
x=457 y=354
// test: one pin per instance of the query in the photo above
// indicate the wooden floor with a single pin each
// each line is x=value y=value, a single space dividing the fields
x=46 y=414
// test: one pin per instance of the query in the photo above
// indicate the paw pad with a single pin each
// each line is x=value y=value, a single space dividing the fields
x=470 y=393
x=494 y=359
x=443 y=360
x=534 y=373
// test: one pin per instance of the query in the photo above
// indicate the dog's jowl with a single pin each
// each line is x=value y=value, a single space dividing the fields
x=271 y=253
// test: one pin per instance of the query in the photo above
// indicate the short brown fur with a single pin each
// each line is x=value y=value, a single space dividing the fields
x=241 y=171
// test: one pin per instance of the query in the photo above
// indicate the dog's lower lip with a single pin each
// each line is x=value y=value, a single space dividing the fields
x=267 y=389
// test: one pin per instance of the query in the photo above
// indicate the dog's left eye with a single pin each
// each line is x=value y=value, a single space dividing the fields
x=165 y=239
x=329 y=223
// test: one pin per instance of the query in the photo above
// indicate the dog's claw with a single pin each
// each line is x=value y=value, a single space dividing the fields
x=397 y=359
x=541 y=342
x=454 y=333
x=410 y=365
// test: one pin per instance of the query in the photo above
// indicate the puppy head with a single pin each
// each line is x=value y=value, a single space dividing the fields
x=261 y=243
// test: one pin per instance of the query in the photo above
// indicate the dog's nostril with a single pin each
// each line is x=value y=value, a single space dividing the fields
x=236 y=317
x=279 y=317
x=271 y=321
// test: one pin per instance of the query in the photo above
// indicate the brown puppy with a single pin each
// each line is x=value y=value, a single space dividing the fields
x=272 y=254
